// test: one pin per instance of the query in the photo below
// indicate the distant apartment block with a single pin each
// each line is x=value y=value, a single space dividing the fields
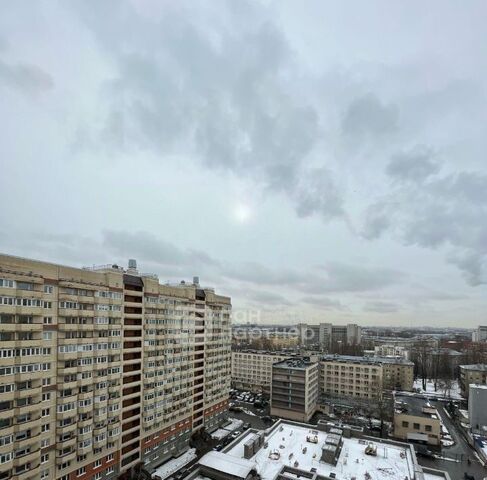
x=294 y=390
x=103 y=368
x=480 y=334
x=470 y=374
x=327 y=334
x=391 y=350
x=415 y=419
x=252 y=369
x=364 y=377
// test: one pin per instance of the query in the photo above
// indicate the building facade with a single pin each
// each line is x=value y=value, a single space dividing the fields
x=480 y=334
x=102 y=369
x=391 y=350
x=470 y=374
x=416 y=420
x=252 y=369
x=477 y=413
x=327 y=335
x=294 y=389
x=364 y=377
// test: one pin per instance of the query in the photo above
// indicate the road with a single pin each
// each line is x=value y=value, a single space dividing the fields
x=455 y=457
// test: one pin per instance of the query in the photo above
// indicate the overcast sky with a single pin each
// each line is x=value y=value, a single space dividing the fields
x=316 y=161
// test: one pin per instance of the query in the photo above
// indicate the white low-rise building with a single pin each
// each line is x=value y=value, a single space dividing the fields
x=324 y=452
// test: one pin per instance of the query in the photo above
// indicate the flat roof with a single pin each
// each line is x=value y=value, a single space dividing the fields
x=295 y=363
x=414 y=405
x=238 y=467
x=480 y=367
x=289 y=441
x=366 y=360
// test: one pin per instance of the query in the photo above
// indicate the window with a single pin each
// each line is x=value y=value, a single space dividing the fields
x=48 y=289
x=45 y=458
x=5 y=283
x=428 y=428
x=46 y=396
x=416 y=426
x=97 y=476
x=44 y=474
x=405 y=424
x=45 y=412
x=81 y=471
x=97 y=464
x=45 y=428
x=47 y=335
x=47 y=320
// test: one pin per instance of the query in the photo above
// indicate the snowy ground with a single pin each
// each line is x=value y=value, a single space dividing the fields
x=228 y=429
x=175 y=464
x=391 y=463
x=453 y=393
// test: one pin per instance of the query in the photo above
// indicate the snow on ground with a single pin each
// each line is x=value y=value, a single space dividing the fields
x=453 y=393
x=391 y=463
x=175 y=464
x=235 y=423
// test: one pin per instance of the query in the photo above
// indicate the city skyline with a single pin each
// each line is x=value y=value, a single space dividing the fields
x=315 y=163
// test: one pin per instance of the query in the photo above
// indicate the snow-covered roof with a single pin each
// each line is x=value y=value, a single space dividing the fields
x=238 y=467
x=391 y=462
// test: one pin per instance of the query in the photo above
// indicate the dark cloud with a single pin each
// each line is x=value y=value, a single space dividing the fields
x=381 y=307
x=368 y=116
x=413 y=166
x=441 y=212
x=262 y=297
x=29 y=79
x=342 y=277
x=324 y=303
x=224 y=98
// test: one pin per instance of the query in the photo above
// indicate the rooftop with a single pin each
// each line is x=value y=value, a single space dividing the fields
x=300 y=446
x=414 y=405
x=295 y=363
x=366 y=360
x=480 y=367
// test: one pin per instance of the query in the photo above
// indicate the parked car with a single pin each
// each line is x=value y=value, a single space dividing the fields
x=235 y=408
x=422 y=451
x=218 y=447
x=267 y=419
x=246 y=426
x=467 y=476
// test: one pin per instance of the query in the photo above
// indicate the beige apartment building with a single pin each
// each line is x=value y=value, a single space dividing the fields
x=416 y=420
x=469 y=374
x=104 y=368
x=294 y=389
x=364 y=377
x=252 y=369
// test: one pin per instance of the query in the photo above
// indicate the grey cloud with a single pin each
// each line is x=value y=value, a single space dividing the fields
x=368 y=116
x=354 y=278
x=29 y=79
x=378 y=219
x=227 y=102
x=148 y=247
x=415 y=165
x=266 y=298
x=317 y=193
x=472 y=265
x=447 y=211
x=381 y=307
x=324 y=303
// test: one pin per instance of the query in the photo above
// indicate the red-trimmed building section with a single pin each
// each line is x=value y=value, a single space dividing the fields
x=91 y=470
x=216 y=408
x=167 y=432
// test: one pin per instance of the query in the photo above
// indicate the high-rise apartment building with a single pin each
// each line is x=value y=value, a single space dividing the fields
x=102 y=369
x=328 y=335
x=480 y=334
